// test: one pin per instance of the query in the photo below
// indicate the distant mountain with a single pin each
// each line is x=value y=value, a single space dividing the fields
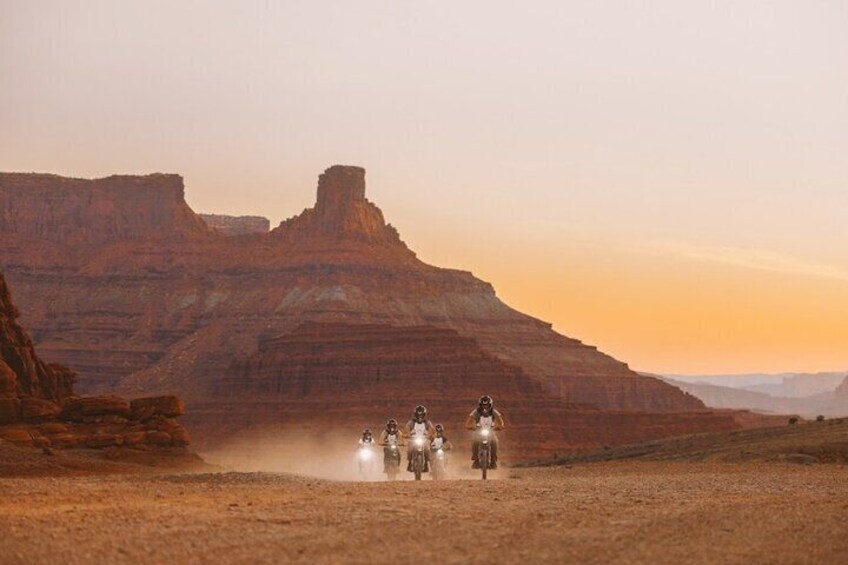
x=790 y=385
x=830 y=403
x=800 y=385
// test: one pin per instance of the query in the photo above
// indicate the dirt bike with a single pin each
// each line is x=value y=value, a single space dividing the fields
x=365 y=456
x=484 y=451
x=418 y=460
x=438 y=461
x=391 y=461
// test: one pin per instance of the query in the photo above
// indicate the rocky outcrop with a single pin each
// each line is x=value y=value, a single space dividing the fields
x=237 y=225
x=22 y=373
x=341 y=213
x=38 y=407
x=65 y=210
x=165 y=315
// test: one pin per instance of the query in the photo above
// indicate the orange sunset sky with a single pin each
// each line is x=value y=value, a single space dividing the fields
x=666 y=180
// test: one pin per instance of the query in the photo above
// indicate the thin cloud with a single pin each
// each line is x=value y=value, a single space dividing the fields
x=757 y=259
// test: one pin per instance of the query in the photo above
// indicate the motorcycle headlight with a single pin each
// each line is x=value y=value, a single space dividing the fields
x=440 y=453
x=365 y=454
x=484 y=433
x=419 y=441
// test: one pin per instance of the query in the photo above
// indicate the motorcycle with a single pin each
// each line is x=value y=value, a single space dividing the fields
x=391 y=461
x=484 y=451
x=438 y=460
x=418 y=461
x=365 y=457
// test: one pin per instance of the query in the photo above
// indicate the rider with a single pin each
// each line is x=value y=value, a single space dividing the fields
x=440 y=441
x=485 y=417
x=367 y=440
x=419 y=426
x=390 y=436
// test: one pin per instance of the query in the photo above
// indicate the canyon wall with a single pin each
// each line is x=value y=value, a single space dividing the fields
x=38 y=406
x=162 y=314
x=332 y=377
x=66 y=210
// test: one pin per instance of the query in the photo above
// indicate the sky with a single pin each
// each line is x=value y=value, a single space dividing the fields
x=666 y=180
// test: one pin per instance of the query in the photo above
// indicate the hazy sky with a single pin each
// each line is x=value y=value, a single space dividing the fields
x=665 y=180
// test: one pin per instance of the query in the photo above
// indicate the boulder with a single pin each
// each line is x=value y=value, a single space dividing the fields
x=51 y=428
x=81 y=409
x=134 y=438
x=10 y=410
x=101 y=440
x=66 y=440
x=114 y=420
x=39 y=440
x=180 y=437
x=39 y=409
x=158 y=438
x=167 y=406
x=168 y=426
x=18 y=436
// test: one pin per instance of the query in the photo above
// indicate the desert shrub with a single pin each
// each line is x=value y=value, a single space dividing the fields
x=819 y=418
x=793 y=421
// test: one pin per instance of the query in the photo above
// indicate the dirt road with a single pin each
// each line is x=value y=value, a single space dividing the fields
x=596 y=513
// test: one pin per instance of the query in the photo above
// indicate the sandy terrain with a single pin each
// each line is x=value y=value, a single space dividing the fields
x=626 y=512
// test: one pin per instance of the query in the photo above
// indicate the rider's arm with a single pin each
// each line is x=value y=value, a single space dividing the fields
x=447 y=446
x=499 y=421
x=384 y=438
x=470 y=422
x=431 y=430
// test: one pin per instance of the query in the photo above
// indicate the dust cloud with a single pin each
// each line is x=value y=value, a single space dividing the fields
x=329 y=454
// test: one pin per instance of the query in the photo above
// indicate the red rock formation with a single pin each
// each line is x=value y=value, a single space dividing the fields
x=324 y=377
x=160 y=314
x=237 y=225
x=22 y=373
x=35 y=396
x=118 y=207
x=341 y=213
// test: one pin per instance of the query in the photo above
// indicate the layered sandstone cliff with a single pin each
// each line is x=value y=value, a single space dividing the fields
x=22 y=373
x=157 y=314
x=67 y=210
x=324 y=377
x=38 y=406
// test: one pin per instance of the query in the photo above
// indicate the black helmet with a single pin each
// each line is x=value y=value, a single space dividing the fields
x=391 y=425
x=420 y=412
x=440 y=429
x=486 y=402
x=366 y=432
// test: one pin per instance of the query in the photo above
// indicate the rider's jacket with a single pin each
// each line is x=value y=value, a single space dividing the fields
x=441 y=443
x=423 y=429
x=487 y=421
x=391 y=439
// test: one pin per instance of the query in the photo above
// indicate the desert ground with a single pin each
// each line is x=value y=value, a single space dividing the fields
x=623 y=512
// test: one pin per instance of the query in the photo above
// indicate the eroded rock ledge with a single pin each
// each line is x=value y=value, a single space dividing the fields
x=38 y=406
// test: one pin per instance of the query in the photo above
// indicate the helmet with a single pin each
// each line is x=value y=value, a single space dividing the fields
x=420 y=412
x=391 y=425
x=366 y=432
x=440 y=429
x=486 y=403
